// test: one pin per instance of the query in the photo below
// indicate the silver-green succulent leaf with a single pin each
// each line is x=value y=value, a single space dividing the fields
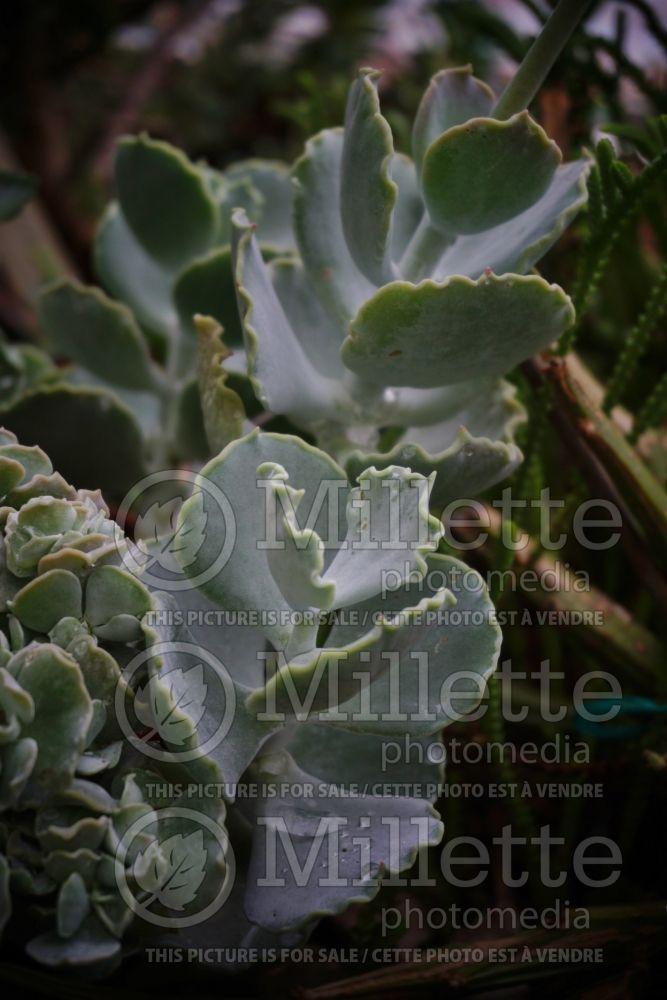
x=333 y=634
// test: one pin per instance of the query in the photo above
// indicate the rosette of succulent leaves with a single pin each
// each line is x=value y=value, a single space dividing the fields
x=381 y=298
x=71 y=784
x=388 y=335
x=106 y=723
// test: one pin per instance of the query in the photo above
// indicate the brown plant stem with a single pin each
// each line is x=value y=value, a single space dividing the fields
x=581 y=427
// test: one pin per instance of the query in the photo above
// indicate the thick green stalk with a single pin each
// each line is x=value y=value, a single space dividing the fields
x=423 y=251
x=539 y=59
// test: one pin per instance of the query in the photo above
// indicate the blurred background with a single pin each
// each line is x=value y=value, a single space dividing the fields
x=224 y=79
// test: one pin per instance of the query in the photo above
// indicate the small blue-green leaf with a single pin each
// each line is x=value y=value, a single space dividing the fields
x=32 y=459
x=515 y=245
x=69 y=422
x=319 y=231
x=483 y=172
x=165 y=200
x=271 y=179
x=367 y=192
x=206 y=287
x=95 y=761
x=280 y=370
x=67 y=829
x=14 y=700
x=97 y=333
x=131 y=275
x=18 y=762
x=452 y=97
x=92 y=947
x=440 y=334
x=111 y=591
x=48 y=598
x=63 y=712
x=73 y=905
x=11 y=474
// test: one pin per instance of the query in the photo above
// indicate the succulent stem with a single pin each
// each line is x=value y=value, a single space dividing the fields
x=423 y=251
x=540 y=57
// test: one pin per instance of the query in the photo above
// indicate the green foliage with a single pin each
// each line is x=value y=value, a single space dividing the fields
x=374 y=303
x=350 y=341
x=131 y=379
x=335 y=326
x=617 y=196
x=59 y=738
x=74 y=619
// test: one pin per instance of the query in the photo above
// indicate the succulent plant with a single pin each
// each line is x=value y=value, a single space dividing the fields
x=387 y=336
x=163 y=252
x=322 y=663
x=248 y=669
x=70 y=617
x=23 y=367
x=285 y=663
x=380 y=298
